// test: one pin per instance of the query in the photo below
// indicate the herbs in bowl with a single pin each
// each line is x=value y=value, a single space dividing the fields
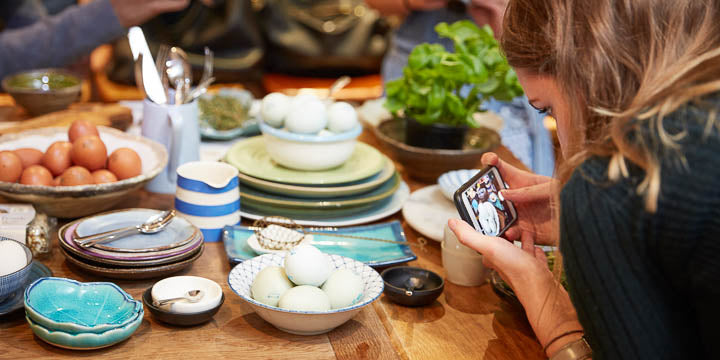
x=440 y=91
x=226 y=114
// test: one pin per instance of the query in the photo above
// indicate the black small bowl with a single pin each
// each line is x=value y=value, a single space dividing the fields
x=179 y=319
x=395 y=278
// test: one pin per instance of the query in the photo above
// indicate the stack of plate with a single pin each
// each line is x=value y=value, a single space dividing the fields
x=140 y=256
x=363 y=189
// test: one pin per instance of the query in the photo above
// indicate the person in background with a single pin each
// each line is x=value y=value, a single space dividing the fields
x=635 y=89
x=30 y=39
x=523 y=132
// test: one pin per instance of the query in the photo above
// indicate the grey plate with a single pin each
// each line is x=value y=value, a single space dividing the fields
x=15 y=302
x=177 y=233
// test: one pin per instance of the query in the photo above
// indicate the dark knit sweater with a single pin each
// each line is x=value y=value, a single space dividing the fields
x=647 y=286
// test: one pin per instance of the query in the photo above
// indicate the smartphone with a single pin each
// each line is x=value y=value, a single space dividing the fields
x=481 y=205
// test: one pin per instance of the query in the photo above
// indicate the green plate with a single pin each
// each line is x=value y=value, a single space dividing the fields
x=251 y=158
x=257 y=198
x=322 y=192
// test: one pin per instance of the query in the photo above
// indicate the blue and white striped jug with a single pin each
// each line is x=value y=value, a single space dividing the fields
x=207 y=195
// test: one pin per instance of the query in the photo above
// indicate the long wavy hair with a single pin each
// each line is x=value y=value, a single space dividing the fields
x=622 y=64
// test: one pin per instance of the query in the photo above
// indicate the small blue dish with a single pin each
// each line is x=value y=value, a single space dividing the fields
x=85 y=341
x=372 y=253
x=15 y=301
x=12 y=282
x=59 y=304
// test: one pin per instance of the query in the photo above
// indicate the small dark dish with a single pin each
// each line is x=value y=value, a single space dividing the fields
x=43 y=91
x=179 y=319
x=396 y=278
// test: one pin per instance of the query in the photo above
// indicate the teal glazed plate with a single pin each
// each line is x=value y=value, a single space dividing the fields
x=372 y=253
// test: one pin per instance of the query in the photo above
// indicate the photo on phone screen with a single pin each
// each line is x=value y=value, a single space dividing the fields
x=480 y=203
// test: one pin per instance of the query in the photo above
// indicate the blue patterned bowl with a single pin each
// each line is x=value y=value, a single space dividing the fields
x=86 y=341
x=12 y=282
x=304 y=322
x=65 y=305
x=450 y=181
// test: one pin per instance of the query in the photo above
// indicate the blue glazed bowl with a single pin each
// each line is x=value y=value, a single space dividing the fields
x=65 y=305
x=86 y=341
x=12 y=282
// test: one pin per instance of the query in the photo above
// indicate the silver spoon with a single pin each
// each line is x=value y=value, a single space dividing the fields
x=179 y=73
x=413 y=283
x=152 y=225
x=191 y=296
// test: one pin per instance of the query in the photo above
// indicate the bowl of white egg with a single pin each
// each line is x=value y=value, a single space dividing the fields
x=15 y=264
x=306 y=133
x=305 y=291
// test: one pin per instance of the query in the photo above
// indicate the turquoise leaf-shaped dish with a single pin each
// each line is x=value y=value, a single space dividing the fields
x=60 y=304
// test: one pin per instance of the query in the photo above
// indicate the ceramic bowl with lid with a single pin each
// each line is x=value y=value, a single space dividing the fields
x=59 y=304
x=16 y=276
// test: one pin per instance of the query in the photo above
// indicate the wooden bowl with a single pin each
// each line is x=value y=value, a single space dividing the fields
x=427 y=164
x=77 y=201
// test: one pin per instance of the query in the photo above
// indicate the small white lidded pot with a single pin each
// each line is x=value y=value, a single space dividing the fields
x=178 y=286
x=463 y=265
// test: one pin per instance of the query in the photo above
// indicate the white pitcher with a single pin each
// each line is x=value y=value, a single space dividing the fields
x=177 y=128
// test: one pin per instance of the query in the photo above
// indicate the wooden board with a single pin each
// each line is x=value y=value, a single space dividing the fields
x=14 y=119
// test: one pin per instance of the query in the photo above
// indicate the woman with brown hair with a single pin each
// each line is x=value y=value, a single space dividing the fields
x=634 y=86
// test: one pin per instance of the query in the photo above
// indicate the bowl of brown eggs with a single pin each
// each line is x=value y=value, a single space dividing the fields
x=77 y=171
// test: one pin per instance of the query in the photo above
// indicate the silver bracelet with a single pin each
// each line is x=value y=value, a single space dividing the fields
x=576 y=350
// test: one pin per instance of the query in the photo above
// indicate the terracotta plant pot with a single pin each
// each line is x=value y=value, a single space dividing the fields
x=435 y=136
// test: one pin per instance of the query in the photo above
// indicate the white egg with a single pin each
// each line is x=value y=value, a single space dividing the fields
x=306 y=265
x=12 y=257
x=274 y=109
x=305 y=298
x=342 y=117
x=344 y=288
x=308 y=117
x=269 y=285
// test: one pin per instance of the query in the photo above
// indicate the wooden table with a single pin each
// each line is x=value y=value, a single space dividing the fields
x=464 y=323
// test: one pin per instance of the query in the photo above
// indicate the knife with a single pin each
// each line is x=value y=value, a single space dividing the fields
x=150 y=78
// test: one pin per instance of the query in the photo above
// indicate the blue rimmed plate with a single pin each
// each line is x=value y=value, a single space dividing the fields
x=15 y=302
x=373 y=253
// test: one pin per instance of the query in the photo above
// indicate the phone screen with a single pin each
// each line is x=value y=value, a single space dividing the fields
x=485 y=207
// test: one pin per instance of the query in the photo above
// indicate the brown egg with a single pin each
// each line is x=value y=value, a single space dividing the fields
x=10 y=166
x=89 y=152
x=57 y=157
x=103 y=176
x=80 y=128
x=125 y=163
x=29 y=156
x=56 y=181
x=36 y=175
x=76 y=175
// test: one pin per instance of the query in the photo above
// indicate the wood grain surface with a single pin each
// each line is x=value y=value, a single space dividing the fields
x=464 y=323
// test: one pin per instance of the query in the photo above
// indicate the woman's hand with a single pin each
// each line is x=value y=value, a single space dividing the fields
x=525 y=269
x=531 y=194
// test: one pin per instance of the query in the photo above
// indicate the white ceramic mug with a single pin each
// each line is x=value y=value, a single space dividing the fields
x=463 y=265
x=177 y=128
x=208 y=196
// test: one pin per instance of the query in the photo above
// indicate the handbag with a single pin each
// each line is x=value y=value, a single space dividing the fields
x=322 y=38
x=230 y=29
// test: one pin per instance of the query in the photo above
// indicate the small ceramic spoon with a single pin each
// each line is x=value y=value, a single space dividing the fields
x=191 y=296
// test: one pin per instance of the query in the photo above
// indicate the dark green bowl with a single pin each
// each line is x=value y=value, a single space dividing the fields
x=43 y=91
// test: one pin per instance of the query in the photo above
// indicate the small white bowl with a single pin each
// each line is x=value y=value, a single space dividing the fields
x=304 y=322
x=450 y=181
x=178 y=286
x=323 y=151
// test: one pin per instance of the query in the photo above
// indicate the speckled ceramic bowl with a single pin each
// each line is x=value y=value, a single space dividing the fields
x=77 y=201
x=59 y=304
x=43 y=91
x=450 y=181
x=304 y=322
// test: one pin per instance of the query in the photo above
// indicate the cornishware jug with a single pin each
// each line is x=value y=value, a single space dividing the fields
x=177 y=128
x=208 y=196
